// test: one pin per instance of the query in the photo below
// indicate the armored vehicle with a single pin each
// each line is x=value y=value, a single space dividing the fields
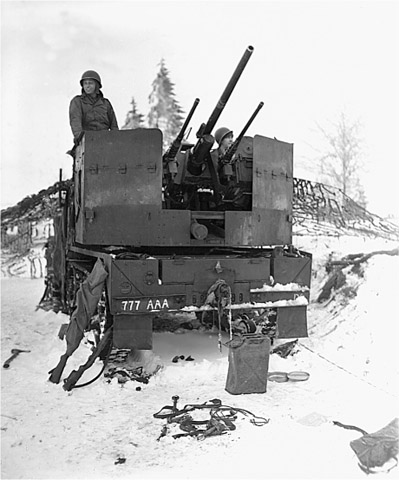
x=143 y=231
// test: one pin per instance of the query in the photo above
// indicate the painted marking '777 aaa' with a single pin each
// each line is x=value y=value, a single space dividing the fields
x=152 y=304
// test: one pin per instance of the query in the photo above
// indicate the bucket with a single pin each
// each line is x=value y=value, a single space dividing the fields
x=248 y=364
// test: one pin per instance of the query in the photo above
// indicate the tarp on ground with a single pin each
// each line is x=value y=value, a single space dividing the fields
x=375 y=449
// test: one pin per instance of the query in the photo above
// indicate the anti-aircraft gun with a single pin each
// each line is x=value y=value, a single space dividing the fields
x=196 y=177
x=144 y=232
x=200 y=153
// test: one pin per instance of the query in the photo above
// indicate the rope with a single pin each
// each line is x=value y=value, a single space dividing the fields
x=219 y=296
x=105 y=362
x=347 y=371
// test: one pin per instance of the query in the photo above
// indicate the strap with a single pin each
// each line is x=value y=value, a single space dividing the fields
x=168 y=412
x=350 y=427
x=221 y=419
x=255 y=420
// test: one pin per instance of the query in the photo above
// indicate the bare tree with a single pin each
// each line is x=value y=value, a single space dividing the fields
x=342 y=163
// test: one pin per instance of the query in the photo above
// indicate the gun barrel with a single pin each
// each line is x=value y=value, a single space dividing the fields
x=227 y=91
x=188 y=119
x=174 y=148
x=233 y=148
x=248 y=124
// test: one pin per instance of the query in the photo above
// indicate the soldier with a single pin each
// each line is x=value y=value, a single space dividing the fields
x=90 y=110
x=224 y=137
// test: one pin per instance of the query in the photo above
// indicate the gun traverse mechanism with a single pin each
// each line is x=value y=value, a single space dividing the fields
x=201 y=150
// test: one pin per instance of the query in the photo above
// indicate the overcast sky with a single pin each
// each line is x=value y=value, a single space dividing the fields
x=311 y=61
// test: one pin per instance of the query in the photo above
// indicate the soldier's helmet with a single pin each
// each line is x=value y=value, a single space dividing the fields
x=90 y=75
x=221 y=133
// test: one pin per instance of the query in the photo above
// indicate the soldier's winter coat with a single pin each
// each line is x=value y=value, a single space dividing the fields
x=87 y=113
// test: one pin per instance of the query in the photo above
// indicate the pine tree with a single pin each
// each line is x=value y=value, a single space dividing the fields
x=134 y=119
x=165 y=112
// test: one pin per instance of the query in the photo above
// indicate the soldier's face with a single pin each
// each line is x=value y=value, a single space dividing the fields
x=227 y=141
x=89 y=86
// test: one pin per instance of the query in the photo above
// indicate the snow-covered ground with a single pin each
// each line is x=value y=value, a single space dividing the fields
x=107 y=430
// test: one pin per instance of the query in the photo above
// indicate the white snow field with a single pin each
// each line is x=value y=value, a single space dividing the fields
x=106 y=430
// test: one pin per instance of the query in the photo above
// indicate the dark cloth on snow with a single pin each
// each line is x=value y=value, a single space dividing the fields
x=376 y=449
x=87 y=298
x=87 y=113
